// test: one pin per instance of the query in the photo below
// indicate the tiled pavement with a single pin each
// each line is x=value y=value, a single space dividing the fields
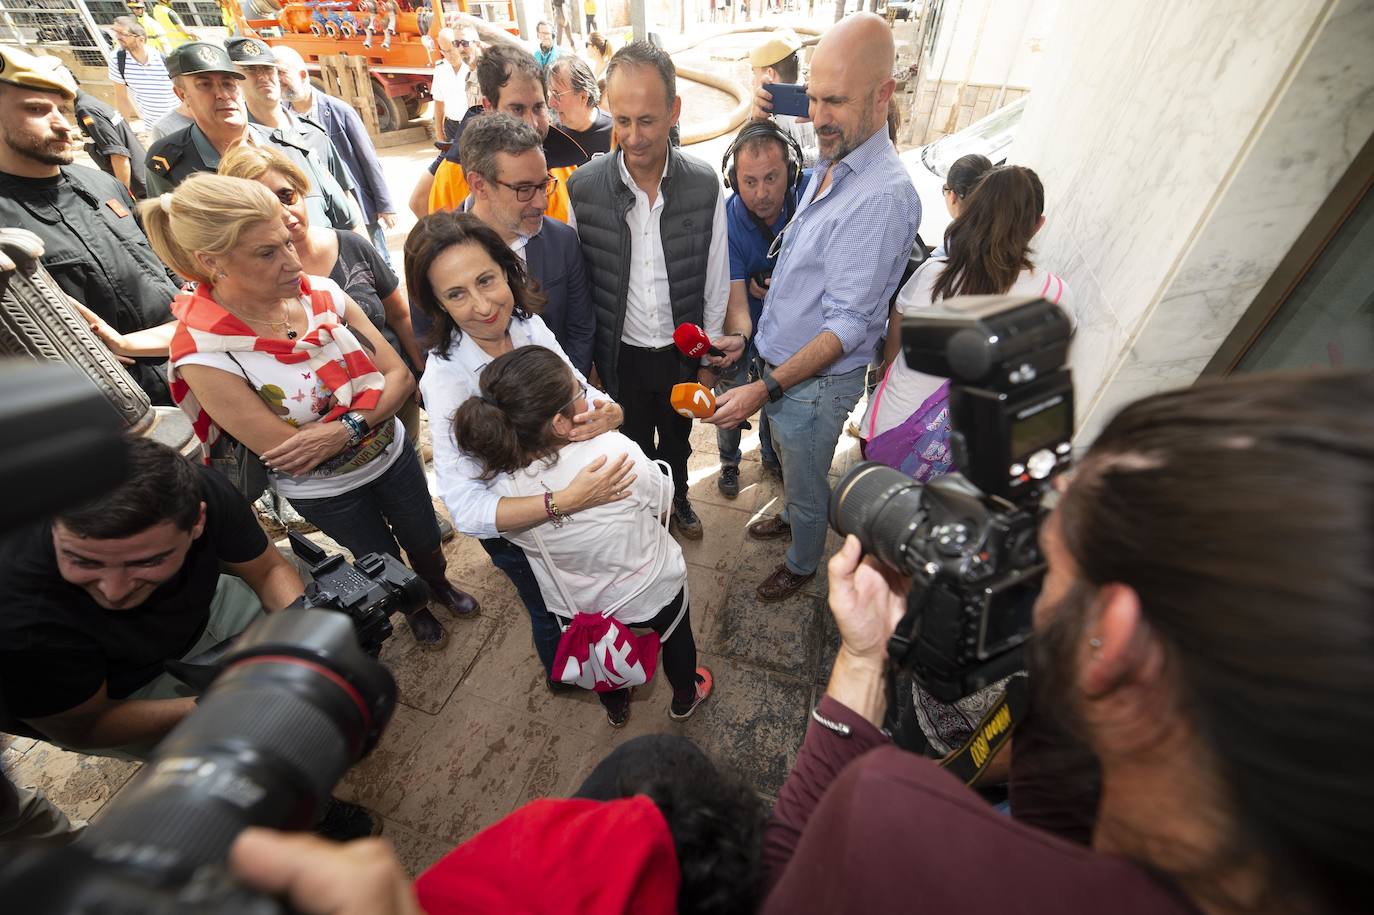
x=476 y=734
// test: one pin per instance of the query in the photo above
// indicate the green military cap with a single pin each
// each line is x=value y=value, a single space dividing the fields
x=200 y=57
x=250 y=52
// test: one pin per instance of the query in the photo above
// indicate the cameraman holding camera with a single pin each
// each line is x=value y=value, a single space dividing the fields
x=1204 y=627
x=97 y=600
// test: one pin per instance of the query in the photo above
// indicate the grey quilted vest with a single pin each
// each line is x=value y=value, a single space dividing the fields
x=601 y=200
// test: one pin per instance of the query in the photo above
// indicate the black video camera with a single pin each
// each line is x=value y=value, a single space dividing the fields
x=968 y=539
x=368 y=591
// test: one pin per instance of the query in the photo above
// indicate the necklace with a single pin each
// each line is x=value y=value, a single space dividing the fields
x=274 y=326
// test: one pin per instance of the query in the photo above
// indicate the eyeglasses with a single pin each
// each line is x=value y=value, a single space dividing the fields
x=525 y=192
x=581 y=393
x=287 y=195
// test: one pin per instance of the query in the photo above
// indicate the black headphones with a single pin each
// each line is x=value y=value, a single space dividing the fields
x=753 y=131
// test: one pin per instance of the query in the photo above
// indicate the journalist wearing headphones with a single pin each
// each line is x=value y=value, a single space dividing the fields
x=763 y=168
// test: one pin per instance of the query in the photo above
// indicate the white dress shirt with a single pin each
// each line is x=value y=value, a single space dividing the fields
x=446 y=383
x=450 y=86
x=648 y=305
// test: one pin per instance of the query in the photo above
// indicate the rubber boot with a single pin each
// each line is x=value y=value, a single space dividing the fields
x=432 y=569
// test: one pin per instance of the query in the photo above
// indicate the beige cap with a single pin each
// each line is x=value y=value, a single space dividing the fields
x=45 y=73
x=777 y=46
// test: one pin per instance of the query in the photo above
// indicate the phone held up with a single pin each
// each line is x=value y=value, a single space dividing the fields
x=789 y=98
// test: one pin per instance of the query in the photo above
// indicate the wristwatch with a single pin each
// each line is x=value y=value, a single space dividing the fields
x=771 y=383
x=357 y=427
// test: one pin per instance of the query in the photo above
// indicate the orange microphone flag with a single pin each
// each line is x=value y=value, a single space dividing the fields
x=693 y=400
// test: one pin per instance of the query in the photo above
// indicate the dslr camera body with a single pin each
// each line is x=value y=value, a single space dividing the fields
x=968 y=540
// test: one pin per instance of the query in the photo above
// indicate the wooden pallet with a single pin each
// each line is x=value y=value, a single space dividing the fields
x=346 y=77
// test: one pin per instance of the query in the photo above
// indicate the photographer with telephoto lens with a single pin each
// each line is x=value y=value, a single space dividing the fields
x=99 y=598
x=1203 y=626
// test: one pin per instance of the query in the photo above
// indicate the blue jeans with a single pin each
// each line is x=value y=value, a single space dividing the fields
x=372 y=518
x=378 y=236
x=510 y=559
x=727 y=440
x=806 y=425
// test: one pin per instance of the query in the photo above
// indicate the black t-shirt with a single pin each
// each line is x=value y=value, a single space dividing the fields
x=361 y=272
x=111 y=135
x=57 y=645
x=593 y=140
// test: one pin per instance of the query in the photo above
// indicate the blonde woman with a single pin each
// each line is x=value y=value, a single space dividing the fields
x=291 y=367
x=345 y=257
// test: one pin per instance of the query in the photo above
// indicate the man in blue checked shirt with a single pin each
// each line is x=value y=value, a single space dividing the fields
x=840 y=260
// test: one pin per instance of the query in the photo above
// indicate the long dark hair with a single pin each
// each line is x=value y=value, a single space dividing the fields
x=989 y=244
x=509 y=425
x=431 y=237
x=1242 y=513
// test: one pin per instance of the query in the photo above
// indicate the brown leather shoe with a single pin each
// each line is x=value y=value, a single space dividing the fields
x=773 y=528
x=782 y=584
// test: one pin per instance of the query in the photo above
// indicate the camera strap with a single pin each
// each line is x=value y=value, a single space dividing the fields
x=992 y=733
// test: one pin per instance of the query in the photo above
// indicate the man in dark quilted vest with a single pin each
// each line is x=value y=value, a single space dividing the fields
x=652 y=225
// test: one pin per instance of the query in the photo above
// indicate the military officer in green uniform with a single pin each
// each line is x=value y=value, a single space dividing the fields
x=206 y=79
x=262 y=97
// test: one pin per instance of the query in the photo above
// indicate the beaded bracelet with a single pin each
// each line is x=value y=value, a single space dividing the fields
x=556 y=515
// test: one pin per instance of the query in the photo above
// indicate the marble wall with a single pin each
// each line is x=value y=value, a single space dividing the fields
x=1184 y=147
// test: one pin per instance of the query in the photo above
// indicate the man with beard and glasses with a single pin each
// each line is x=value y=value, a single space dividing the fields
x=93 y=244
x=1212 y=649
x=839 y=262
x=510 y=181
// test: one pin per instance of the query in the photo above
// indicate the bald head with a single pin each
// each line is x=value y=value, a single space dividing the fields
x=862 y=43
x=295 y=79
x=850 y=83
x=288 y=58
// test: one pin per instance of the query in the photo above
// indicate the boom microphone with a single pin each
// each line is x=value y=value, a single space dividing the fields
x=693 y=342
x=692 y=400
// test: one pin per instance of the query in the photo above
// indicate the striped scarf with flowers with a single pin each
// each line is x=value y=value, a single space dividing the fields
x=204 y=326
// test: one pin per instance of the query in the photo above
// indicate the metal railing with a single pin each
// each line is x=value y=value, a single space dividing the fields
x=57 y=22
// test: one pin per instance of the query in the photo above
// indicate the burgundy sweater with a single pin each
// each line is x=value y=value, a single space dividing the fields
x=863 y=827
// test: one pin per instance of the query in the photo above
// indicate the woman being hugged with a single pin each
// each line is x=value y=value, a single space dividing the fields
x=988 y=253
x=478 y=298
x=292 y=368
x=617 y=556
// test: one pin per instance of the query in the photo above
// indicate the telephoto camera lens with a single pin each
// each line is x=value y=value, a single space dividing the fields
x=882 y=507
x=296 y=704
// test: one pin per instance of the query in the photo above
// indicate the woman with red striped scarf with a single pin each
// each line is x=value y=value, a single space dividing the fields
x=291 y=367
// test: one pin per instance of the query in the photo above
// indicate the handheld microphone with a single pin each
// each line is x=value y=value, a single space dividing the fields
x=693 y=400
x=693 y=342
